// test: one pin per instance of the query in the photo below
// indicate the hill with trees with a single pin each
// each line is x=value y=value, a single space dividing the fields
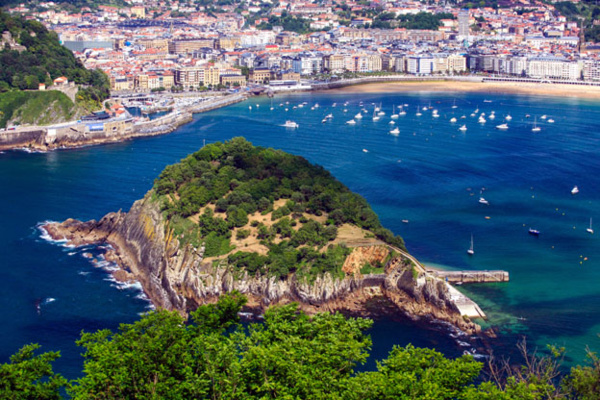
x=30 y=55
x=265 y=211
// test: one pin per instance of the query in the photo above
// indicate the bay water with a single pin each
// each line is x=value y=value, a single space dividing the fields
x=424 y=184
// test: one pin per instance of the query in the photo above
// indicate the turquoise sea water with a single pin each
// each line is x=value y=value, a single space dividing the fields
x=431 y=174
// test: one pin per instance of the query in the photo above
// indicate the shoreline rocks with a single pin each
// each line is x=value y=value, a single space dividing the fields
x=175 y=277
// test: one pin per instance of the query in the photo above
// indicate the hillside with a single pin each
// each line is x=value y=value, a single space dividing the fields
x=30 y=55
x=36 y=108
x=265 y=210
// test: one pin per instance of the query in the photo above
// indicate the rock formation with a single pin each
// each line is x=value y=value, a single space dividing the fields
x=176 y=278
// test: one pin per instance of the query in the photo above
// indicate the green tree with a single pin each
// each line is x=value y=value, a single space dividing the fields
x=30 y=377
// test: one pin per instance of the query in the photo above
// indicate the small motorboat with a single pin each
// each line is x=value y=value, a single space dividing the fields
x=534 y=232
x=484 y=201
x=395 y=131
x=351 y=122
x=463 y=128
x=453 y=120
x=290 y=124
x=575 y=190
x=502 y=127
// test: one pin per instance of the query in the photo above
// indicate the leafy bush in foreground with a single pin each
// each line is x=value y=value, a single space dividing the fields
x=289 y=356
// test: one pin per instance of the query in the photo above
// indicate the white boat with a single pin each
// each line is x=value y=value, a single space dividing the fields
x=381 y=113
x=324 y=120
x=487 y=101
x=590 y=230
x=358 y=116
x=272 y=108
x=463 y=117
x=473 y=114
x=402 y=112
x=286 y=109
x=425 y=108
x=329 y=116
x=575 y=190
x=453 y=120
x=418 y=114
x=345 y=110
x=543 y=116
x=471 y=250
x=290 y=124
x=377 y=109
x=392 y=122
x=249 y=107
x=394 y=115
x=375 y=116
x=300 y=106
x=365 y=151
x=492 y=116
x=435 y=114
x=481 y=120
x=316 y=105
x=395 y=131
x=550 y=121
x=454 y=104
x=351 y=122
x=502 y=127
x=508 y=117
x=476 y=110
x=535 y=127
x=483 y=201
x=463 y=128
x=334 y=105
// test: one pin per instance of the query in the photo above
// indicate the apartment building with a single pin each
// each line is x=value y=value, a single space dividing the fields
x=553 y=68
x=188 y=46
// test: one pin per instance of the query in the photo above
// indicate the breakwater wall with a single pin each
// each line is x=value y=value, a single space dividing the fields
x=85 y=133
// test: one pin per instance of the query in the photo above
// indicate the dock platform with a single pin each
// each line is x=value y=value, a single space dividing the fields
x=471 y=276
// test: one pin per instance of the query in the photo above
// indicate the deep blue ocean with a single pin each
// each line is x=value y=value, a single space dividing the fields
x=431 y=174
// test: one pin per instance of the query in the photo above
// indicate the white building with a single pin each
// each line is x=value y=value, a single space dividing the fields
x=553 y=68
x=308 y=65
x=421 y=65
x=591 y=70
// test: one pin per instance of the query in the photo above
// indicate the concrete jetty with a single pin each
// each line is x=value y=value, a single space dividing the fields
x=471 y=276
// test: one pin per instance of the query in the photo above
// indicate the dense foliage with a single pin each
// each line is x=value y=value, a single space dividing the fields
x=24 y=107
x=239 y=180
x=289 y=356
x=44 y=60
x=421 y=20
x=289 y=23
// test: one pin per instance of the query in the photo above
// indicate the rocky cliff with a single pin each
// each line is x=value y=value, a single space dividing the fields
x=175 y=276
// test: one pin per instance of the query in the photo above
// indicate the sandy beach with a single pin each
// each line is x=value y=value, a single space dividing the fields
x=589 y=92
